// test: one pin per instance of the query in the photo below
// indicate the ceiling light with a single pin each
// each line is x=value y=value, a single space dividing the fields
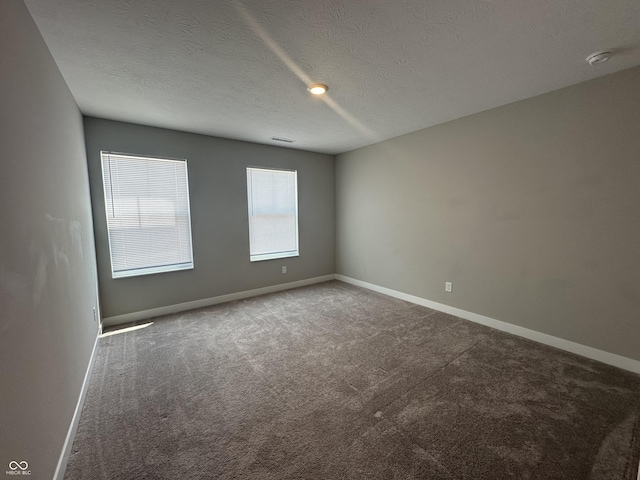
x=318 y=88
x=598 y=57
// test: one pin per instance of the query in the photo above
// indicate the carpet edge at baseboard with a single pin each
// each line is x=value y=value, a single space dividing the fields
x=75 y=420
x=609 y=358
x=207 y=302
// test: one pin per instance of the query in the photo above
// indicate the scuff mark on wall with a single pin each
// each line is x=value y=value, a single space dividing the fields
x=40 y=279
x=62 y=234
x=14 y=295
x=75 y=231
x=61 y=257
x=60 y=230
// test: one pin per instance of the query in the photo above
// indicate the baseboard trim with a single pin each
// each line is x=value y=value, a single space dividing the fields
x=577 y=348
x=206 y=302
x=73 y=428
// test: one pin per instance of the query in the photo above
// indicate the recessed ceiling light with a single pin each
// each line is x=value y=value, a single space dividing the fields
x=318 y=88
x=598 y=57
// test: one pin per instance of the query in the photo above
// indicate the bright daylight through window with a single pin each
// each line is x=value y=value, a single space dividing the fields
x=273 y=213
x=148 y=219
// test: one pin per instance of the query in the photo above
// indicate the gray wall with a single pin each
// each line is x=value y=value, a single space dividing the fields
x=532 y=210
x=218 y=191
x=47 y=258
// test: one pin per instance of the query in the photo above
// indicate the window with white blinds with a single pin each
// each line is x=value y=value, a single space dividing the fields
x=273 y=213
x=148 y=218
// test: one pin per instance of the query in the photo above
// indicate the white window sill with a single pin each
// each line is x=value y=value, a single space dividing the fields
x=273 y=256
x=151 y=270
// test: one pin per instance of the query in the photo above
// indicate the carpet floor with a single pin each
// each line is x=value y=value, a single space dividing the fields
x=333 y=381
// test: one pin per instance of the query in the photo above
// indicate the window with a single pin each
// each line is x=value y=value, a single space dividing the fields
x=147 y=206
x=273 y=213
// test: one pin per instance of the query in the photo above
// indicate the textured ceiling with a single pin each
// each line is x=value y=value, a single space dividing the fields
x=239 y=69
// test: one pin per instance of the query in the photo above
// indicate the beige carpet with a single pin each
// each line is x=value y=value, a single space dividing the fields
x=336 y=382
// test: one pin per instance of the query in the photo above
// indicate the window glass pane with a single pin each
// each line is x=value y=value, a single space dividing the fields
x=273 y=213
x=147 y=209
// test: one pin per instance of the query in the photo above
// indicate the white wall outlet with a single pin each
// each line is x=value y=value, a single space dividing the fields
x=448 y=287
x=284 y=269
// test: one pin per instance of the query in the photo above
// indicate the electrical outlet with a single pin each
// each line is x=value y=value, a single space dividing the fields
x=284 y=269
x=448 y=287
x=95 y=314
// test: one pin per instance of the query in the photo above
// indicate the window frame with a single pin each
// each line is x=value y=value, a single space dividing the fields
x=274 y=255
x=137 y=272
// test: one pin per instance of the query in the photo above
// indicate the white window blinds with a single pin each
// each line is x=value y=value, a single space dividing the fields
x=273 y=213
x=148 y=219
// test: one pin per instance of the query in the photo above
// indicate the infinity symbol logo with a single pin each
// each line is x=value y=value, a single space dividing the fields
x=23 y=465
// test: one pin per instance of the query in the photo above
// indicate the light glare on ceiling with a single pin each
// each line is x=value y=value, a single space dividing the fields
x=318 y=88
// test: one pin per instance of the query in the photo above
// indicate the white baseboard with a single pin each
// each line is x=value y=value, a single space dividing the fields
x=583 y=350
x=73 y=428
x=206 y=302
x=567 y=345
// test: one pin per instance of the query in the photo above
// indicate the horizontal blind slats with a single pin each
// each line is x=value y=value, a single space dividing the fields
x=147 y=208
x=273 y=213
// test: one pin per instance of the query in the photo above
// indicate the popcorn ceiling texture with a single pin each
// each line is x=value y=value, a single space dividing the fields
x=239 y=69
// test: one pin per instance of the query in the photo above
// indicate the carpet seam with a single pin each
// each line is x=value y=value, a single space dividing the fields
x=429 y=376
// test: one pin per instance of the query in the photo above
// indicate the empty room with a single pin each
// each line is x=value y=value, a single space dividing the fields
x=295 y=239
